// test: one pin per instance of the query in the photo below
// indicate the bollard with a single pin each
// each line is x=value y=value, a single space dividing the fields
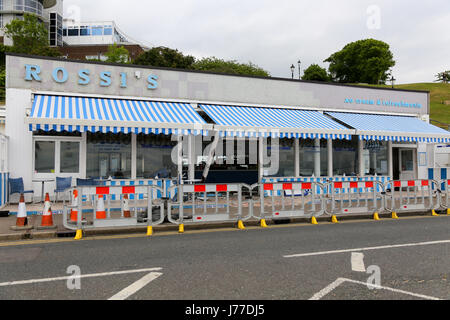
x=78 y=235
x=263 y=223
x=394 y=215
x=376 y=216
x=149 y=230
x=241 y=225
x=314 y=220
x=181 y=228
x=334 y=219
x=434 y=214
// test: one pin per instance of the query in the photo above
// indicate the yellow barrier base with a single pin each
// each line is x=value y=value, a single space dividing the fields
x=334 y=219
x=448 y=211
x=241 y=225
x=149 y=231
x=263 y=223
x=434 y=214
x=314 y=220
x=78 y=235
x=394 y=215
x=376 y=216
x=181 y=228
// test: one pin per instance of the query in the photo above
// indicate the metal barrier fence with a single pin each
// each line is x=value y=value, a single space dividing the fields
x=120 y=206
x=113 y=206
x=344 y=198
x=445 y=195
x=209 y=203
x=288 y=200
x=4 y=174
x=412 y=195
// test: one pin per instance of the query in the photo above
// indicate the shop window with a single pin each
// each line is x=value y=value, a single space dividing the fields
x=70 y=157
x=345 y=157
x=375 y=156
x=307 y=157
x=108 y=155
x=44 y=156
x=153 y=157
x=286 y=158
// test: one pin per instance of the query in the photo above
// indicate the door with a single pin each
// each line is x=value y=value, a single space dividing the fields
x=407 y=164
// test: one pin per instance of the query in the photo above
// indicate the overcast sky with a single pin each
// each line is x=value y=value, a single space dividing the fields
x=276 y=34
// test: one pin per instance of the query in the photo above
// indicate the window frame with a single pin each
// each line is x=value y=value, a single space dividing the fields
x=57 y=169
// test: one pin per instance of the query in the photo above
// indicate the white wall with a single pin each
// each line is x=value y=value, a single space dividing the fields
x=20 y=138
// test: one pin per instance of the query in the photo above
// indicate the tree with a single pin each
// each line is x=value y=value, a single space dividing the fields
x=316 y=73
x=366 y=61
x=443 y=77
x=214 y=64
x=165 y=57
x=29 y=36
x=117 y=54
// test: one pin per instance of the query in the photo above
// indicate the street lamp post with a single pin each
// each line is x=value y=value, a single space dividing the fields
x=299 y=70
x=292 y=71
x=392 y=81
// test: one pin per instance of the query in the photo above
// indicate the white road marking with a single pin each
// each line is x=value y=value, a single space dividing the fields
x=366 y=249
x=319 y=295
x=104 y=274
x=135 y=287
x=357 y=261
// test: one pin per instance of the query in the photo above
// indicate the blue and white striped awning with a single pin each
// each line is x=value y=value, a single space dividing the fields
x=392 y=128
x=274 y=122
x=64 y=113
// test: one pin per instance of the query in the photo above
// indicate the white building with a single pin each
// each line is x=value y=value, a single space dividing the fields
x=93 y=33
x=97 y=120
x=50 y=12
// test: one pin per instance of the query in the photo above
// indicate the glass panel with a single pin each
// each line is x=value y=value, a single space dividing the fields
x=307 y=155
x=345 y=157
x=286 y=163
x=154 y=157
x=70 y=157
x=44 y=157
x=108 y=31
x=407 y=160
x=72 y=32
x=97 y=31
x=108 y=155
x=375 y=156
x=85 y=32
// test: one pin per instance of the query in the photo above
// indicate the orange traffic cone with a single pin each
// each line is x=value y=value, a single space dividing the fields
x=22 y=220
x=126 y=207
x=74 y=211
x=100 y=213
x=47 y=216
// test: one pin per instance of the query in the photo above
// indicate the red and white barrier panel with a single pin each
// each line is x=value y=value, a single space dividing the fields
x=353 y=185
x=287 y=186
x=114 y=190
x=411 y=183
x=201 y=188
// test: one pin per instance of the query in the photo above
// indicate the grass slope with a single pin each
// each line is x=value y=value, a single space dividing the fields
x=439 y=92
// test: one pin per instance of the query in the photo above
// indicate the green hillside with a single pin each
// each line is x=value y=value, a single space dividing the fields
x=439 y=92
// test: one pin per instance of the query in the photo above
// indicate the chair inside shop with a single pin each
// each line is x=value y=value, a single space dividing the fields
x=62 y=185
